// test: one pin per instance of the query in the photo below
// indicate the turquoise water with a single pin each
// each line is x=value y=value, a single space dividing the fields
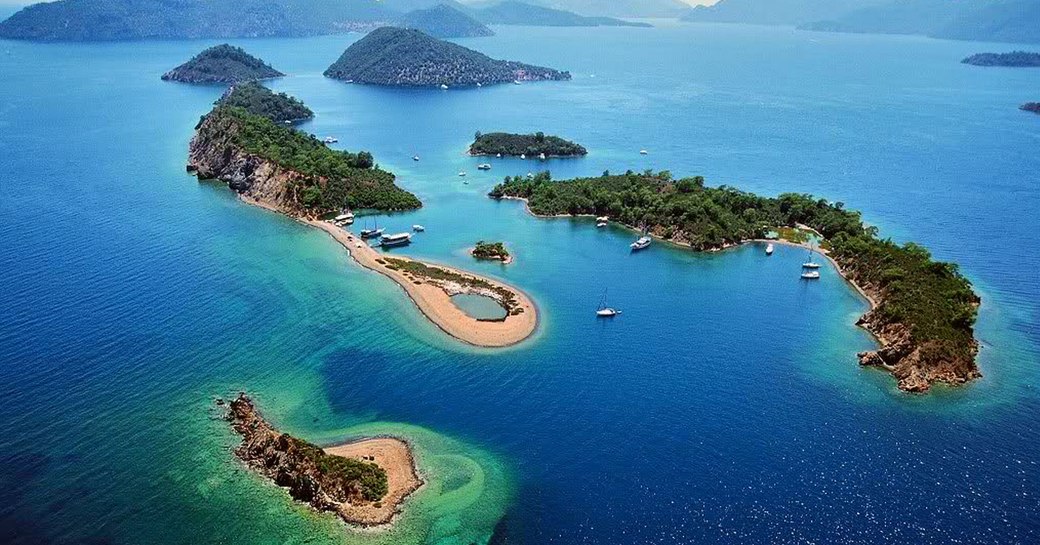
x=723 y=406
x=479 y=306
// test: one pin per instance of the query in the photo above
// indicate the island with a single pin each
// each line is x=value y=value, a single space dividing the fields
x=409 y=58
x=922 y=311
x=1031 y=107
x=274 y=166
x=528 y=145
x=364 y=482
x=222 y=64
x=444 y=21
x=259 y=100
x=491 y=250
x=1015 y=59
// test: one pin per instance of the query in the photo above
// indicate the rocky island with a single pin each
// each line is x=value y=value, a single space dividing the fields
x=527 y=145
x=283 y=170
x=922 y=311
x=444 y=21
x=409 y=58
x=491 y=250
x=364 y=482
x=1031 y=107
x=222 y=64
x=1015 y=59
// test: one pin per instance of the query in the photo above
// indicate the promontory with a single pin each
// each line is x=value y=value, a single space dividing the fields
x=409 y=58
x=364 y=482
x=1015 y=59
x=527 y=145
x=922 y=311
x=222 y=64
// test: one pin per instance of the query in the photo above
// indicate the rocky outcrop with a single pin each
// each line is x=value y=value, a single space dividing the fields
x=1031 y=107
x=326 y=482
x=916 y=366
x=214 y=154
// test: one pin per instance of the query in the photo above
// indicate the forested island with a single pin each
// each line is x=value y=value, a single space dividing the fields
x=345 y=480
x=409 y=58
x=491 y=250
x=259 y=100
x=1016 y=59
x=222 y=64
x=1031 y=107
x=923 y=312
x=281 y=167
x=529 y=145
x=444 y=21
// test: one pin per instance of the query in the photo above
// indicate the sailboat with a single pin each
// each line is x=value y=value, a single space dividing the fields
x=811 y=264
x=371 y=233
x=604 y=311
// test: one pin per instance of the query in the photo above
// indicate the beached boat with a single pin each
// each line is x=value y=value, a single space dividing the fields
x=603 y=219
x=344 y=219
x=400 y=239
x=811 y=275
x=769 y=249
x=516 y=82
x=641 y=244
x=418 y=228
x=484 y=166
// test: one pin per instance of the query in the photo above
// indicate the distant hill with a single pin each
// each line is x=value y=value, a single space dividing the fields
x=775 y=12
x=98 y=20
x=620 y=8
x=1016 y=21
x=222 y=64
x=1016 y=59
x=408 y=58
x=519 y=13
x=444 y=21
x=259 y=100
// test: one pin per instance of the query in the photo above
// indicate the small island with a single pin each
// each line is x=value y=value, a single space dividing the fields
x=922 y=311
x=401 y=57
x=364 y=482
x=1015 y=59
x=491 y=250
x=222 y=64
x=444 y=21
x=527 y=145
x=1031 y=107
x=259 y=100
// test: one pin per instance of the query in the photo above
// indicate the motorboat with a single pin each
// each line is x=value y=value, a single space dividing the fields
x=769 y=249
x=641 y=244
x=643 y=152
x=601 y=224
x=484 y=166
x=400 y=239
x=811 y=275
x=418 y=228
x=444 y=87
x=462 y=173
x=331 y=140
x=415 y=158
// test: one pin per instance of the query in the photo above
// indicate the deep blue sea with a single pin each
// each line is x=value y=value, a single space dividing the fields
x=724 y=406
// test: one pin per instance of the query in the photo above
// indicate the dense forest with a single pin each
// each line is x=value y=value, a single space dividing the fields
x=259 y=100
x=490 y=250
x=407 y=57
x=444 y=21
x=531 y=145
x=1012 y=59
x=330 y=180
x=222 y=64
x=931 y=298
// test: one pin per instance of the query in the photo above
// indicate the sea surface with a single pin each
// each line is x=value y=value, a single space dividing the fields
x=725 y=404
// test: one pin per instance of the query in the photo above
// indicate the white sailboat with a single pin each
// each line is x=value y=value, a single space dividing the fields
x=811 y=275
x=769 y=249
x=604 y=311
x=811 y=264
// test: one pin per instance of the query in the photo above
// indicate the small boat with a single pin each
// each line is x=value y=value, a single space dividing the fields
x=371 y=233
x=604 y=311
x=418 y=228
x=479 y=85
x=465 y=183
x=643 y=152
x=516 y=82
x=400 y=239
x=769 y=249
x=523 y=156
x=811 y=264
x=484 y=166
x=499 y=155
x=530 y=176
x=344 y=219
x=415 y=158
x=641 y=244
x=811 y=275
x=602 y=219
x=601 y=224
x=462 y=173
x=444 y=87
x=331 y=140
x=541 y=156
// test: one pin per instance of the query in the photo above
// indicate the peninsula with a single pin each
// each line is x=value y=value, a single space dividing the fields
x=1015 y=59
x=527 y=145
x=222 y=64
x=278 y=168
x=922 y=311
x=409 y=58
x=364 y=482
x=1031 y=107
x=259 y=100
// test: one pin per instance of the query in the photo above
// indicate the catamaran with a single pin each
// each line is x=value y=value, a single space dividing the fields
x=400 y=239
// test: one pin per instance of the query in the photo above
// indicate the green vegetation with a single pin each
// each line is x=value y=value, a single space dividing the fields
x=330 y=180
x=409 y=58
x=259 y=100
x=524 y=144
x=1014 y=59
x=423 y=272
x=932 y=299
x=490 y=250
x=365 y=478
x=444 y=21
x=520 y=13
x=222 y=64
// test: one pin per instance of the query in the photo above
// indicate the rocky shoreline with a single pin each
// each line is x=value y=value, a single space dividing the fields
x=355 y=487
